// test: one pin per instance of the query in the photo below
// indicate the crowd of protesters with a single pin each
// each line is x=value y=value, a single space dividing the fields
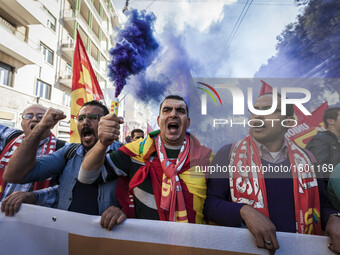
x=154 y=176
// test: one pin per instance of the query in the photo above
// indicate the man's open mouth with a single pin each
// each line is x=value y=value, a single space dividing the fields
x=32 y=125
x=173 y=126
x=87 y=133
x=258 y=125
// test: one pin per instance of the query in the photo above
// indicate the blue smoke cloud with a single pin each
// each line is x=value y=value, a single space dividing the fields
x=135 y=50
x=150 y=90
x=169 y=74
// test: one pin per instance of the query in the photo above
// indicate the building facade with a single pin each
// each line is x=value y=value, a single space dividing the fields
x=36 y=52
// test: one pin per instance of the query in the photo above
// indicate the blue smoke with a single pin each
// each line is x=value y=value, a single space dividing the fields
x=135 y=50
x=169 y=74
x=151 y=89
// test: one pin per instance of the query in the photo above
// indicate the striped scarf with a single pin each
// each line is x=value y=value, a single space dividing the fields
x=192 y=183
x=47 y=147
x=249 y=186
x=172 y=199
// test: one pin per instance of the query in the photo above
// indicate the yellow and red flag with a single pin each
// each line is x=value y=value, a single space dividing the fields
x=85 y=86
x=307 y=125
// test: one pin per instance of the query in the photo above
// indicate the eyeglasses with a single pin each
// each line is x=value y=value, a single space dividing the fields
x=90 y=117
x=29 y=116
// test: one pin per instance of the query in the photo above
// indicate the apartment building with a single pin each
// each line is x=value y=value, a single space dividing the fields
x=36 y=50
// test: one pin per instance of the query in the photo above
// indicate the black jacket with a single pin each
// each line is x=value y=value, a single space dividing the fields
x=326 y=149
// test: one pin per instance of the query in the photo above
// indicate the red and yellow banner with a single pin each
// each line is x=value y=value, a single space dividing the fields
x=307 y=125
x=85 y=86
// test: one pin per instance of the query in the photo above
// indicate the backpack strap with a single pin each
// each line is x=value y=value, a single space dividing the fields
x=71 y=152
x=9 y=141
x=13 y=136
x=59 y=144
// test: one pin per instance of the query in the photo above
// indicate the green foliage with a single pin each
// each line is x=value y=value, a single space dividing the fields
x=309 y=47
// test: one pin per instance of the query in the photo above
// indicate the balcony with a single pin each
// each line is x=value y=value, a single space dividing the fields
x=96 y=16
x=70 y=16
x=26 y=12
x=67 y=49
x=14 y=43
x=66 y=79
x=105 y=7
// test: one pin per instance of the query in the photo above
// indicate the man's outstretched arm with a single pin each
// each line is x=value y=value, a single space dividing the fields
x=23 y=159
x=108 y=131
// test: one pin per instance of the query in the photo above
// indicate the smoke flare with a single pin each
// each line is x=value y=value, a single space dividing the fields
x=135 y=50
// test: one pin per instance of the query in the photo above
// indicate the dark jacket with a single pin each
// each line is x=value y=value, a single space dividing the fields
x=326 y=149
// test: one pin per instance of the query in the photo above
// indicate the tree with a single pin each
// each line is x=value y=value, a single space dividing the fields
x=310 y=47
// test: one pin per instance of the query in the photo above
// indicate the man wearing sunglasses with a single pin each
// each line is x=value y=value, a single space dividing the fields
x=10 y=139
x=94 y=199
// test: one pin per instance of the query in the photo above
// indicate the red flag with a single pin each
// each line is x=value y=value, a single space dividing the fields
x=318 y=113
x=126 y=131
x=266 y=88
x=148 y=128
x=85 y=86
x=306 y=124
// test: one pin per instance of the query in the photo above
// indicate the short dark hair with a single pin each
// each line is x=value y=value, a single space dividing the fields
x=136 y=130
x=289 y=107
x=99 y=104
x=176 y=98
x=128 y=139
x=330 y=113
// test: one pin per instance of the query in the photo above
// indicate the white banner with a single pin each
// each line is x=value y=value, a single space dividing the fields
x=39 y=230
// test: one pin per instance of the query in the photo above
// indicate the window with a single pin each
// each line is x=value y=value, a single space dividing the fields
x=43 y=90
x=68 y=71
x=6 y=72
x=47 y=52
x=51 y=21
x=67 y=99
x=70 y=40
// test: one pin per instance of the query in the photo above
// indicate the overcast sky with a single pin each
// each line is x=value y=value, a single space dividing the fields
x=204 y=28
x=197 y=33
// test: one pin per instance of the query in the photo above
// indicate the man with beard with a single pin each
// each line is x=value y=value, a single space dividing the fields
x=160 y=167
x=10 y=139
x=267 y=201
x=73 y=196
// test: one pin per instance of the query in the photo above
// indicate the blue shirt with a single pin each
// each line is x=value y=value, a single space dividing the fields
x=5 y=134
x=53 y=165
